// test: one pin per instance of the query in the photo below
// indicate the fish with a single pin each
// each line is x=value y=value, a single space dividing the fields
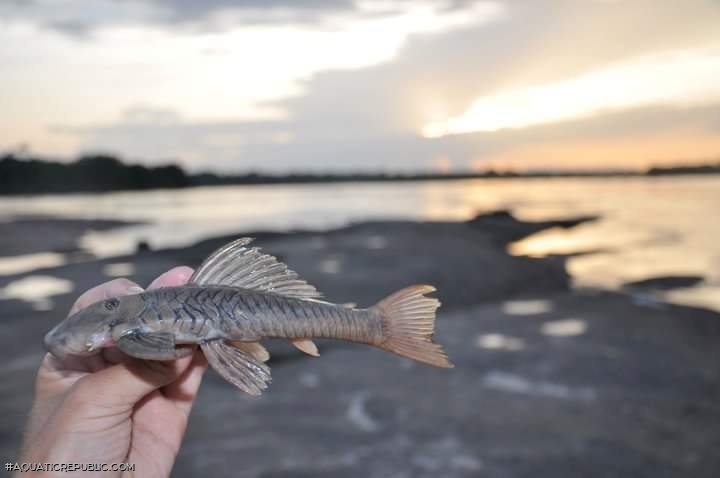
x=238 y=297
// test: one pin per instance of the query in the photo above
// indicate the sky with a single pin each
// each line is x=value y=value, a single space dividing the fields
x=321 y=85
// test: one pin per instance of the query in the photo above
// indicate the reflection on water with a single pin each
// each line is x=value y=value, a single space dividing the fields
x=18 y=264
x=557 y=240
x=37 y=290
x=526 y=307
x=511 y=383
x=564 y=328
x=331 y=265
x=701 y=295
x=376 y=242
x=118 y=269
x=500 y=342
x=648 y=227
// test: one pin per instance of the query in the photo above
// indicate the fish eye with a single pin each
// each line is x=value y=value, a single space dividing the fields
x=111 y=304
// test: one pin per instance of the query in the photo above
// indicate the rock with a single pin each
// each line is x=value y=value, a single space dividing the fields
x=505 y=228
x=612 y=400
x=548 y=382
x=33 y=234
x=663 y=283
x=143 y=246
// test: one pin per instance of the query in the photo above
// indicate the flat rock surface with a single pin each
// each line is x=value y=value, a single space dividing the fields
x=33 y=234
x=633 y=393
x=548 y=382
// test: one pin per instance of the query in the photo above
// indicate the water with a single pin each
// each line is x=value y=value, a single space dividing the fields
x=649 y=226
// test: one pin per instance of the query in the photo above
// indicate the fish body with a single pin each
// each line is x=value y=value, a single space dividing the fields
x=236 y=298
x=200 y=313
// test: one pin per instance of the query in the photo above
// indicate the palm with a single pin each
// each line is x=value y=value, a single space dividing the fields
x=148 y=434
x=159 y=422
x=116 y=408
x=158 y=427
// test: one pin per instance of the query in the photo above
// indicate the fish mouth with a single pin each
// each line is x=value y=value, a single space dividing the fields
x=55 y=346
x=94 y=347
x=59 y=345
x=62 y=352
x=99 y=341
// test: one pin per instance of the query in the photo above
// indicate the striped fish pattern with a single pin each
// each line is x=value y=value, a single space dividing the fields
x=236 y=298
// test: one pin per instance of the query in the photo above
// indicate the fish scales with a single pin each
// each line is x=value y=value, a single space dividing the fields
x=281 y=317
x=237 y=297
x=237 y=313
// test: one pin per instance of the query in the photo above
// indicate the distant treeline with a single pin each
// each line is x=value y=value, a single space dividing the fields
x=89 y=173
x=697 y=169
x=108 y=173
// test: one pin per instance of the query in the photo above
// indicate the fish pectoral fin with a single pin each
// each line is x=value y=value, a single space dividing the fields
x=307 y=346
x=151 y=346
x=237 y=366
x=254 y=349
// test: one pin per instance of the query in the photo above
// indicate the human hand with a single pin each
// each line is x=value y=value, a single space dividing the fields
x=112 y=408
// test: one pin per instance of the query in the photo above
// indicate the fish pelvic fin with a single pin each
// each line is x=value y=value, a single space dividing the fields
x=408 y=324
x=254 y=349
x=237 y=367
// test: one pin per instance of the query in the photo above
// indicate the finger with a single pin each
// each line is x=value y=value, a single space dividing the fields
x=183 y=391
x=114 y=355
x=174 y=277
x=113 y=288
x=78 y=363
x=123 y=385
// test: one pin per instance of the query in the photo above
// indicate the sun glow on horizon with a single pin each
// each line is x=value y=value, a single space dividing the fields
x=684 y=78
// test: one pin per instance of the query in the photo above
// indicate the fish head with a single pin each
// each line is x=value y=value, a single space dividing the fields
x=89 y=330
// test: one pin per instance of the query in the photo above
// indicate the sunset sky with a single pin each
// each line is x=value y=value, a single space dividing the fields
x=318 y=85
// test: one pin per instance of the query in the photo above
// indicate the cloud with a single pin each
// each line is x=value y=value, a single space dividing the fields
x=436 y=76
x=671 y=78
x=273 y=145
x=191 y=10
x=144 y=115
x=78 y=18
x=370 y=117
x=71 y=28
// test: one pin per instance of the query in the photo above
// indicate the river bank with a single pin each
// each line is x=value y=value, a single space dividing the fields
x=549 y=381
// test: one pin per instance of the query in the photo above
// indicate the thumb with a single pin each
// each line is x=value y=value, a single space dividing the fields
x=123 y=385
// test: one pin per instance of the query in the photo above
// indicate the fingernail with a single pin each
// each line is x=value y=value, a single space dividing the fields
x=135 y=289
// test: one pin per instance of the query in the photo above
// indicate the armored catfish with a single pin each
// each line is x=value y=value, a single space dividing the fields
x=237 y=297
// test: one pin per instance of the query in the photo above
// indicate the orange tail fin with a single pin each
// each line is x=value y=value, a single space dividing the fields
x=408 y=319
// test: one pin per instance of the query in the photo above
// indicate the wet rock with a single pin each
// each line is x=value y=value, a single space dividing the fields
x=664 y=283
x=633 y=391
x=143 y=246
x=505 y=228
x=33 y=234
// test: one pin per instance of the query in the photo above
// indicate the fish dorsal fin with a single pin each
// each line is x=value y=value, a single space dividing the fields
x=237 y=367
x=237 y=265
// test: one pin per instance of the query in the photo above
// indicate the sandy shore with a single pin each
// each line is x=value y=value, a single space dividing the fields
x=549 y=382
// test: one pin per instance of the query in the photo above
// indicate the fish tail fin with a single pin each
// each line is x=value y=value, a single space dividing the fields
x=408 y=323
